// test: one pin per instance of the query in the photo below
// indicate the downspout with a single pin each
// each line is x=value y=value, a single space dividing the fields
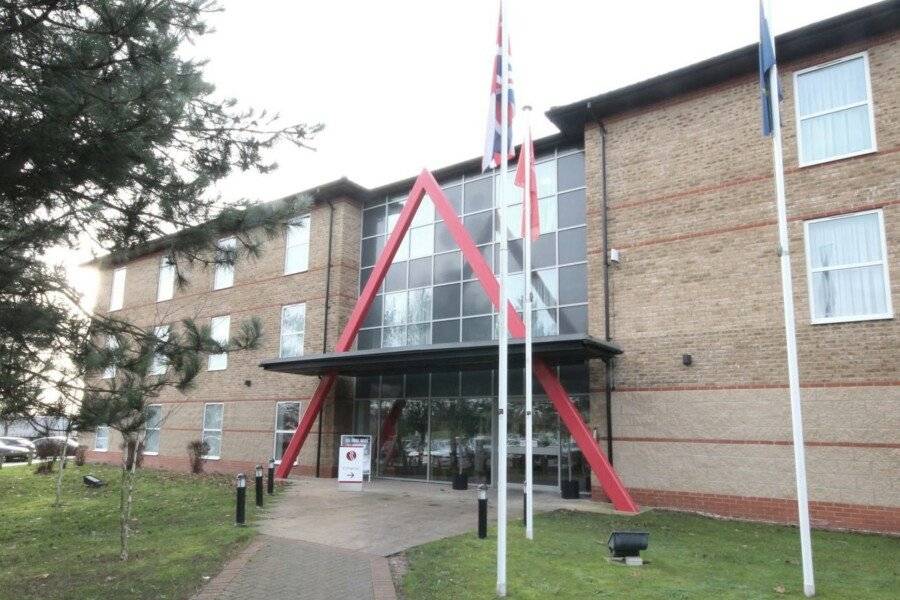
x=325 y=321
x=610 y=362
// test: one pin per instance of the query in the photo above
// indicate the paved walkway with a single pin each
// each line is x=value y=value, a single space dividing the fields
x=320 y=543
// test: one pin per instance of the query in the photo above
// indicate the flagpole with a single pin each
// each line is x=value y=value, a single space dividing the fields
x=529 y=451
x=503 y=334
x=787 y=292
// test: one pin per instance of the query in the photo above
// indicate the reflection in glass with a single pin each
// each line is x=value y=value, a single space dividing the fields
x=403 y=439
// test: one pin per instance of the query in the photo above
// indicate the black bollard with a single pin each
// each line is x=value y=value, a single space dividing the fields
x=259 y=490
x=525 y=509
x=482 y=511
x=240 y=511
x=270 y=484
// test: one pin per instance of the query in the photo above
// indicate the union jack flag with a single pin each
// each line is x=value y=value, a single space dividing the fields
x=493 y=140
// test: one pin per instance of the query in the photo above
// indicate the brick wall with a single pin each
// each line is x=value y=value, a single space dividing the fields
x=691 y=209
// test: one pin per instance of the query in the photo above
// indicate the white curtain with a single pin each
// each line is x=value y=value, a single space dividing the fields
x=841 y=290
x=840 y=130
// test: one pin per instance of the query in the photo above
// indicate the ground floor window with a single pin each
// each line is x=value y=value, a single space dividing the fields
x=212 y=429
x=433 y=427
x=152 y=425
x=101 y=439
x=287 y=417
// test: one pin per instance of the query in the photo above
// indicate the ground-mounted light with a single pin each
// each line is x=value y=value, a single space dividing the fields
x=626 y=546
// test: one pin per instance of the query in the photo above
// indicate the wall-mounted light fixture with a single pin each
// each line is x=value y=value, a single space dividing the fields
x=687 y=360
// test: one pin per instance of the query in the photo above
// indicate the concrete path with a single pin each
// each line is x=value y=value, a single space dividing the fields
x=321 y=543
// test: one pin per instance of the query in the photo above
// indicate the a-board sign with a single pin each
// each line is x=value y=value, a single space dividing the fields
x=350 y=467
x=366 y=441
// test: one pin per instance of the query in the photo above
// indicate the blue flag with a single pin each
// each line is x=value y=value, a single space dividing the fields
x=766 y=62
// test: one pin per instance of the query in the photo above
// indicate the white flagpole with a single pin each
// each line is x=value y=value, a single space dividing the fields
x=787 y=292
x=503 y=334
x=526 y=206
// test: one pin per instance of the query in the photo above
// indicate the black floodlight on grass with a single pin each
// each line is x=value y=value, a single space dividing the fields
x=627 y=545
x=91 y=481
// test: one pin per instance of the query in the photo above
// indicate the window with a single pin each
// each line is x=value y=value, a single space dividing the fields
x=117 y=296
x=296 y=246
x=219 y=331
x=833 y=103
x=160 y=362
x=212 y=429
x=224 y=275
x=152 y=425
x=287 y=417
x=847 y=268
x=101 y=439
x=293 y=326
x=165 y=287
x=112 y=344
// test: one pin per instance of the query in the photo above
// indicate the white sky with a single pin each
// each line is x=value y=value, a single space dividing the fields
x=403 y=84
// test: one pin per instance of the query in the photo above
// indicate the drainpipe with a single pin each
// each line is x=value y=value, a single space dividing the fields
x=610 y=363
x=325 y=326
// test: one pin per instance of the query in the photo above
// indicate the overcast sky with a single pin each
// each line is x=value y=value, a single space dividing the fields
x=403 y=84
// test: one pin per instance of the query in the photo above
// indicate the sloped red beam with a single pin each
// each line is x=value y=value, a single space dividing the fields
x=426 y=184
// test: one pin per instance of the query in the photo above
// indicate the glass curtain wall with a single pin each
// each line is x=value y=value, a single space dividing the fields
x=434 y=426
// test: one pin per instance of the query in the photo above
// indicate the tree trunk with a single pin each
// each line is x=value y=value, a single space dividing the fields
x=59 y=476
x=126 y=501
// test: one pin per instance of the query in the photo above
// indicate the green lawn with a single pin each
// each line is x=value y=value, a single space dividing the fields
x=183 y=529
x=689 y=557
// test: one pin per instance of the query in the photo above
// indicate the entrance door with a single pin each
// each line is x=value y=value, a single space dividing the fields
x=461 y=438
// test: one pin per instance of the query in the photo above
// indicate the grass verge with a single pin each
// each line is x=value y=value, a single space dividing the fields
x=182 y=530
x=689 y=557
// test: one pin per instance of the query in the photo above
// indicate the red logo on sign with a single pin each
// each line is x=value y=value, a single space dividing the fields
x=351 y=455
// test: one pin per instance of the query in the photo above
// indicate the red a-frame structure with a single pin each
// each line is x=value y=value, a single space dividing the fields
x=426 y=184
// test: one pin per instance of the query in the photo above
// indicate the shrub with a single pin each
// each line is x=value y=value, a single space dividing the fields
x=80 y=454
x=197 y=449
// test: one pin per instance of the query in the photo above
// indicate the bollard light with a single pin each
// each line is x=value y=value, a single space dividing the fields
x=240 y=514
x=259 y=485
x=270 y=484
x=482 y=511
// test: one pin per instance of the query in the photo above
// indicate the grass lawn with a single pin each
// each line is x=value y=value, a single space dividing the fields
x=689 y=557
x=183 y=529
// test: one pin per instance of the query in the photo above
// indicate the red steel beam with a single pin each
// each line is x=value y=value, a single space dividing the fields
x=426 y=184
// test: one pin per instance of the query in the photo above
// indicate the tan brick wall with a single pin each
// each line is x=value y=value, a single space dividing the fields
x=692 y=212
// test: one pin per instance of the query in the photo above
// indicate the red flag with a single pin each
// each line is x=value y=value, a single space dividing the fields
x=526 y=161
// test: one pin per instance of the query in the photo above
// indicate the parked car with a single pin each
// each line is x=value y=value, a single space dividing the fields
x=55 y=442
x=10 y=450
x=18 y=441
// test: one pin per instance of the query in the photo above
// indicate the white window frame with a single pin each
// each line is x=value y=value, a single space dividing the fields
x=883 y=262
x=98 y=437
x=160 y=364
x=219 y=362
x=117 y=291
x=109 y=371
x=277 y=431
x=283 y=333
x=165 y=282
x=206 y=429
x=288 y=247
x=223 y=275
x=157 y=429
x=870 y=101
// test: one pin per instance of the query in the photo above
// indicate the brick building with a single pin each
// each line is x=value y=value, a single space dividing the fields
x=671 y=173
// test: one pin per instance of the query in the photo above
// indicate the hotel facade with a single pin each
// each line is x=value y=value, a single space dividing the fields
x=657 y=295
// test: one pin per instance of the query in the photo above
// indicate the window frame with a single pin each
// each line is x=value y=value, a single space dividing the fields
x=221 y=355
x=204 y=429
x=278 y=431
x=157 y=429
x=287 y=248
x=160 y=364
x=117 y=289
x=223 y=244
x=109 y=371
x=166 y=265
x=281 y=332
x=810 y=271
x=105 y=448
x=869 y=101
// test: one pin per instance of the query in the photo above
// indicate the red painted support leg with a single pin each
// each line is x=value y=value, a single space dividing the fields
x=309 y=417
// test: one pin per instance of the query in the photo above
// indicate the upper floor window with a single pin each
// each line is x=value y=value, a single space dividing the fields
x=165 y=287
x=112 y=344
x=296 y=247
x=219 y=332
x=152 y=426
x=117 y=295
x=224 y=275
x=847 y=268
x=293 y=327
x=160 y=363
x=834 y=110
